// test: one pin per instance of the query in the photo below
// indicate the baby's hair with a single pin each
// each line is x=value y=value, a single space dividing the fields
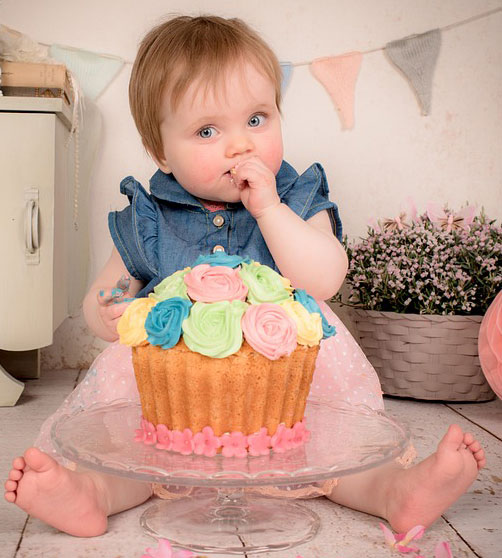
x=182 y=50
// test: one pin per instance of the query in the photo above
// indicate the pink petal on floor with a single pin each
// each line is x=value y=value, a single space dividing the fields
x=414 y=533
x=443 y=550
x=390 y=539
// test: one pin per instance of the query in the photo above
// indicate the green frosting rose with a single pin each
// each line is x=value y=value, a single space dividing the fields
x=264 y=284
x=214 y=329
x=171 y=286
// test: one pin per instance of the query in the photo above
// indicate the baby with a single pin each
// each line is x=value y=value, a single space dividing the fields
x=205 y=96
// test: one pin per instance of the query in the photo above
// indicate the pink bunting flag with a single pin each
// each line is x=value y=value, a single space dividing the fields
x=338 y=74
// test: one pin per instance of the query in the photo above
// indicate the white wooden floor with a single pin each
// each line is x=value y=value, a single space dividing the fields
x=473 y=526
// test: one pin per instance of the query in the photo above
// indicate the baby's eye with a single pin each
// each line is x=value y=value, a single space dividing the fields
x=207 y=132
x=256 y=120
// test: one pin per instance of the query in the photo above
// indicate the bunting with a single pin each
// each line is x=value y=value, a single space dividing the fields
x=93 y=71
x=339 y=74
x=287 y=70
x=416 y=57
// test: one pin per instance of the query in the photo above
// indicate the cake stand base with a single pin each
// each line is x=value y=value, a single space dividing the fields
x=230 y=521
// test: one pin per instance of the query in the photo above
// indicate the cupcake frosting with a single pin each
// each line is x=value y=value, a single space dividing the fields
x=172 y=286
x=220 y=301
x=214 y=329
x=131 y=326
x=207 y=283
x=163 y=323
x=309 y=325
x=269 y=330
x=264 y=284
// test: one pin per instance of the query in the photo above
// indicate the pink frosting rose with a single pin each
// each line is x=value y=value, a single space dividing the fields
x=207 y=283
x=269 y=330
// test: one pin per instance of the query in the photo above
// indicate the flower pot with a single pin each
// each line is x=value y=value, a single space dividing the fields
x=423 y=356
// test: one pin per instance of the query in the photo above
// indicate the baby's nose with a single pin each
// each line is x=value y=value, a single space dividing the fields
x=239 y=144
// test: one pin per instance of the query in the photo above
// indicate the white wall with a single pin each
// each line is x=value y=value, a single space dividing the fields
x=453 y=155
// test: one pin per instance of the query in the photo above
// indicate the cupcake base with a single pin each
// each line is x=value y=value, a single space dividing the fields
x=241 y=393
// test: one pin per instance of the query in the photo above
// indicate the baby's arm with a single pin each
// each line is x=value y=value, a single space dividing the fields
x=100 y=311
x=307 y=252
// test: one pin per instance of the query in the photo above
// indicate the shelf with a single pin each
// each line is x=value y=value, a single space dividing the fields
x=38 y=104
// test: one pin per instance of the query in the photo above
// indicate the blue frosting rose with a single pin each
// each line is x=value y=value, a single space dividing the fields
x=311 y=305
x=221 y=258
x=163 y=323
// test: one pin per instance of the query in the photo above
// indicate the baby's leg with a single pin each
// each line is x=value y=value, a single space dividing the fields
x=420 y=494
x=76 y=502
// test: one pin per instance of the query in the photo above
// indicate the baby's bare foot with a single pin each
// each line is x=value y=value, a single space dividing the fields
x=65 y=499
x=422 y=493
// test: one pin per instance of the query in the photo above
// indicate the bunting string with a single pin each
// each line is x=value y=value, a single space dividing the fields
x=415 y=56
x=445 y=28
x=376 y=49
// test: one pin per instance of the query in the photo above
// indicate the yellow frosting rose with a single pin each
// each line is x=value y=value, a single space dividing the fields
x=309 y=325
x=131 y=326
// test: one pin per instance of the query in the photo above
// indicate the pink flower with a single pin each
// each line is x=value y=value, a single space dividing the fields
x=183 y=441
x=282 y=440
x=400 y=541
x=234 y=444
x=141 y=431
x=164 y=437
x=206 y=443
x=147 y=433
x=259 y=442
x=300 y=434
x=165 y=550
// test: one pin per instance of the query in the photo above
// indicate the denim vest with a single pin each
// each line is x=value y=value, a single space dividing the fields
x=168 y=228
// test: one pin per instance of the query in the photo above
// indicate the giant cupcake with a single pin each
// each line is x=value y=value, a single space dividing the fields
x=224 y=353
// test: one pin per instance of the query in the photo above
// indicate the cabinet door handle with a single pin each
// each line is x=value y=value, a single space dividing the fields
x=31 y=221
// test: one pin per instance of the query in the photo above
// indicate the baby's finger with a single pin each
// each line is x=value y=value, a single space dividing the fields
x=115 y=309
x=106 y=296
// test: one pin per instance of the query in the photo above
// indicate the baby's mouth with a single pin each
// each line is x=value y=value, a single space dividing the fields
x=230 y=173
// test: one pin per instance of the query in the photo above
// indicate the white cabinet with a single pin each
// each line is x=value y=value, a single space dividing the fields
x=43 y=255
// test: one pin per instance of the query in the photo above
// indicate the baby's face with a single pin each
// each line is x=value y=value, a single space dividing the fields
x=212 y=130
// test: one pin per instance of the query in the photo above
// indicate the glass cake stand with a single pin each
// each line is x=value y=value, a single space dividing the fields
x=225 y=504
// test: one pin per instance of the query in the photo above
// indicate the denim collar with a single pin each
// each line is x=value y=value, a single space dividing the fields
x=165 y=187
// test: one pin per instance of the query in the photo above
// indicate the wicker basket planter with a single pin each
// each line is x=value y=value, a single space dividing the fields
x=424 y=356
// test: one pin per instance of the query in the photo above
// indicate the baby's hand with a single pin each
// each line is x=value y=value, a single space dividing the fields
x=257 y=185
x=112 y=304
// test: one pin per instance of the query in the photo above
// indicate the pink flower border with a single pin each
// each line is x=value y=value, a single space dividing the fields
x=232 y=444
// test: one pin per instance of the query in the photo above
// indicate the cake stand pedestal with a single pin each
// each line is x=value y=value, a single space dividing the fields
x=222 y=511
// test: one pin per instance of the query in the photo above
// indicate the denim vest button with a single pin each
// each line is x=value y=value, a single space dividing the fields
x=218 y=221
x=218 y=248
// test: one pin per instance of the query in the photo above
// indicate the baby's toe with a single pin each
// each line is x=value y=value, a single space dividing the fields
x=475 y=446
x=468 y=438
x=10 y=485
x=15 y=474
x=19 y=463
x=10 y=497
x=480 y=454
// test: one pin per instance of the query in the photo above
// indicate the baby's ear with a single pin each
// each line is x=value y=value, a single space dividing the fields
x=160 y=163
x=162 y=166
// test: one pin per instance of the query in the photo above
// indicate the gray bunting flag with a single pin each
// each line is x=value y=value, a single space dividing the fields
x=416 y=57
